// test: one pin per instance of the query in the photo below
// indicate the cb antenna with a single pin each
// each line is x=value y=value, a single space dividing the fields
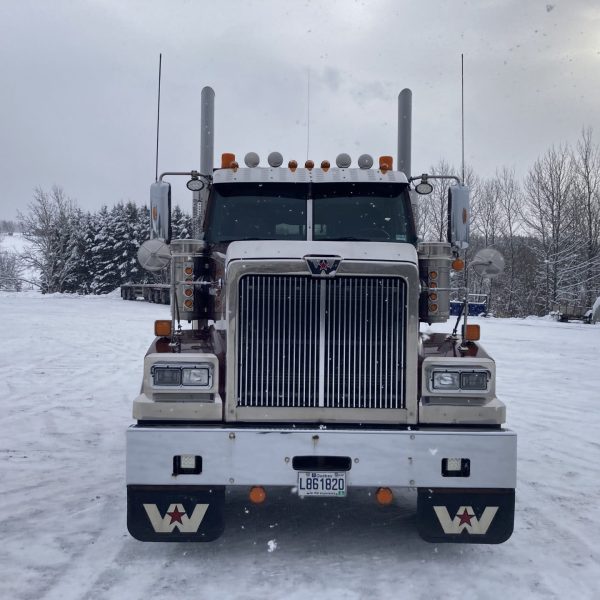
x=158 y=116
x=308 y=114
x=462 y=102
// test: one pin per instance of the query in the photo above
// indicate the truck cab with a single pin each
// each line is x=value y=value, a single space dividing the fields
x=303 y=364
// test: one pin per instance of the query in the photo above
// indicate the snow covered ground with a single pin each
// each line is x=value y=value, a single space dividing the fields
x=69 y=368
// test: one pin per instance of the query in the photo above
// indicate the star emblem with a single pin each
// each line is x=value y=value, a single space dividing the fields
x=176 y=516
x=324 y=265
x=465 y=517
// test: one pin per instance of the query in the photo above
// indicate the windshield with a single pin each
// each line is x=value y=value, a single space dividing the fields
x=362 y=211
x=257 y=211
x=373 y=212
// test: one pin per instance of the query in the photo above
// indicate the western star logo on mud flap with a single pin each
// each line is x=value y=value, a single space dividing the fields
x=176 y=517
x=465 y=519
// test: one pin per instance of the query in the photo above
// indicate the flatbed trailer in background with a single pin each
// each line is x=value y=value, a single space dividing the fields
x=150 y=292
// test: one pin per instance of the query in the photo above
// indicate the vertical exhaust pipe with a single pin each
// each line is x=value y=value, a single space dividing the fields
x=207 y=149
x=207 y=131
x=404 y=131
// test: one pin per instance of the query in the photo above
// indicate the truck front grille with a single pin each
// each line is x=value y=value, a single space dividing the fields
x=309 y=342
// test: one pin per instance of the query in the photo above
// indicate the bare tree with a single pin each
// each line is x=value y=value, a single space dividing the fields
x=549 y=214
x=586 y=196
x=47 y=226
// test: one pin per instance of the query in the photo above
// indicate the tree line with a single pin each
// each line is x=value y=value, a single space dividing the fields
x=74 y=251
x=547 y=227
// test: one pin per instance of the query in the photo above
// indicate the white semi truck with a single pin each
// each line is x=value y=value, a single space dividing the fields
x=294 y=355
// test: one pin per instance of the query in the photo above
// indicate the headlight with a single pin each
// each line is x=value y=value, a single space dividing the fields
x=178 y=375
x=196 y=376
x=445 y=380
x=468 y=381
x=166 y=375
x=477 y=380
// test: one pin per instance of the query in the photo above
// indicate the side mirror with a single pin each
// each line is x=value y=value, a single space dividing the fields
x=458 y=215
x=160 y=211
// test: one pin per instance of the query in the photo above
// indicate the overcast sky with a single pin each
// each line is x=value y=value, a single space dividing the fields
x=79 y=84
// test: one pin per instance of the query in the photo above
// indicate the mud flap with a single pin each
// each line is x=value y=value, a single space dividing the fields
x=465 y=516
x=175 y=513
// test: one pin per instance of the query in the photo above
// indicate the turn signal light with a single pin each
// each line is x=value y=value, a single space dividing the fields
x=384 y=496
x=226 y=159
x=257 y=494
x=162 y=328
x=386 y=163
x=472 y=333
x=458 y=264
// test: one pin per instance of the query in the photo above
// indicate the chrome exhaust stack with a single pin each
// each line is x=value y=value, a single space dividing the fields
x=404 y=131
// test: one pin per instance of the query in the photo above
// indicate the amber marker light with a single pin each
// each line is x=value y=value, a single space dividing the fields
x=433 y=307
x=257 y=494
x=433 y=274
x=188 y=304
x=325 y=165
x=162 y=328
x=309 y=164
x=384 y=496
x=433 y=296
x=188 y=270
x=458 y=264
x=188 y=292
x=386 y=163
x=472 y=333
x=227 y=160
x=292 y=165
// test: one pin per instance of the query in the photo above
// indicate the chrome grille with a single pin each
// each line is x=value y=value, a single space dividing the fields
x=309 y=342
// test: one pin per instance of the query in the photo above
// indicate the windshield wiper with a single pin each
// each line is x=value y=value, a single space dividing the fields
x=348 y=238
x=249 y=239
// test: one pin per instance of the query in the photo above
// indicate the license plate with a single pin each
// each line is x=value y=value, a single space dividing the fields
x=321 y=483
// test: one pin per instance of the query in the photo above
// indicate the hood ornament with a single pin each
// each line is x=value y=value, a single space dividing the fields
x=323 y=266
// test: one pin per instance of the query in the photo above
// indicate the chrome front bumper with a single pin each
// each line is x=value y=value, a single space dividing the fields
x=379 y=457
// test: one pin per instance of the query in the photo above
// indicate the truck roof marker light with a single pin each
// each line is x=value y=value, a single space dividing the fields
x=384 y=496
x=309 y=165
x=458 y=264
x=188 y=304
x=292 y=165
x=257 y=494
x=275 y=159
x=386 y=163
x=343 y=161
x=433 y=307
x=472 y=333
x=365 y=161
x=227 y=158
x=325 y=165
x=162 y=328
x=433 y=274
x=251 y=160
x=234 y=166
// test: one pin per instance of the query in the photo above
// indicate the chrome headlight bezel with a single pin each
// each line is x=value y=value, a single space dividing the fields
x=465 y=377
x=181 y=376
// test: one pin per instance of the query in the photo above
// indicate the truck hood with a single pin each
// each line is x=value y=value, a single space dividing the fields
x=356 y=251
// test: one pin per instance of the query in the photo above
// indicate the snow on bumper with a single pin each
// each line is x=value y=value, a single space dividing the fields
x=253 y=456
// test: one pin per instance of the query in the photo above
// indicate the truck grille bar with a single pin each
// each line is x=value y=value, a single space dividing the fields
x=334 y=343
